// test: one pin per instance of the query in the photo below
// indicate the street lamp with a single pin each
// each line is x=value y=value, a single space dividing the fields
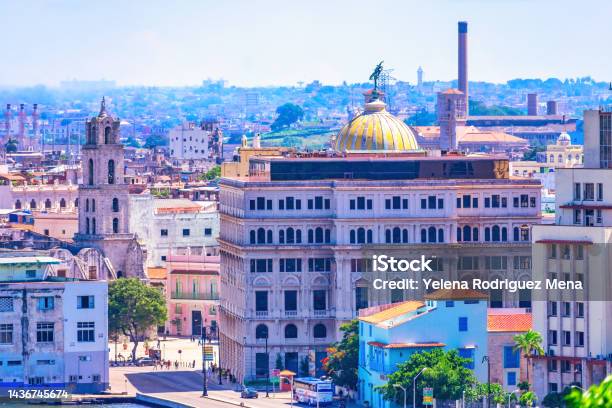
x=414 y=386
x=486 y=359
x=463 y=399
x=219 y=354
x=510 y=394
x=204 y=385
x=575 y=386
x=267 y=367
x=403 y=389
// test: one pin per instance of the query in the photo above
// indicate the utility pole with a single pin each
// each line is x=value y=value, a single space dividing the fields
x=204 y=385
x=267 y=368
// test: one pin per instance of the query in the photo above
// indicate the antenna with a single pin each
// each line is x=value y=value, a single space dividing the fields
x=385 y=83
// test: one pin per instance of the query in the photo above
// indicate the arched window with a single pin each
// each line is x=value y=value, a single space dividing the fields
x=370 y=236
x=33 y=204
x=397 y=235
x=431 y=234
x=47 y=203
x=252 y=239
x=459 y=234
x=388 y=236
x=291 y=331
x=90 y=170
x=310 y=236
x=361 y=235
x=115 y=225
x=93 y=205
x=440 y=235
x=111 y=172
x=405 y=236
x=319 y=331
x=319 y=235
x=495 y=234
x=281 y=236
x=352 y=234
x=504 y=234
x=87 y=231
x=62 y=203
x=423 y=235
x=524 y=233
x=467 y=233
x=87 y=205
x=18 y=205
x=76 y=203
x=487 y=234
x=290 y=235
x=298 y=236
x=115 y=204
x=269 y=236
x=560 y=158
x=475 y=234
x=107 y=135
x=552 y=158
x=261 y=236
x=261 y=331
x=93 y=226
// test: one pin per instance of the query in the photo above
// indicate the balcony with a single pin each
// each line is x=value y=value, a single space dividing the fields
x=194 y=295
x=261 y=313
x=291 y=313
x=321 y=313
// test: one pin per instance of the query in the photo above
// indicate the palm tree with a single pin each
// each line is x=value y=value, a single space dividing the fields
x=528 y=343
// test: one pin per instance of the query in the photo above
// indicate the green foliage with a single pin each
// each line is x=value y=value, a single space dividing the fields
x=523 y=386
x=155 y=140
x=529 y=343
x=343 y=357
x=211 y=174
x=531 y=154
x=555 y=399
x=422 y=118
x=279 y=362
x=480 y=391
x=599 y=395
x=133 y=308
x=446 y=373
x=478 y=108
x=291 y=141
x=528 y=399
x=132 y=142
x=288 y=114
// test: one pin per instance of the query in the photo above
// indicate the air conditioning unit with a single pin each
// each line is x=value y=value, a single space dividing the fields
x=551 y=352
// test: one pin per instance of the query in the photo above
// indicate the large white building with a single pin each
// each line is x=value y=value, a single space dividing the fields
x=577 y=325
x=189 y=142
x=53 y=330
x=298 y=233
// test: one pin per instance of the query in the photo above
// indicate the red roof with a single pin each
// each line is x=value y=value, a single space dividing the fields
x=513 y=322
x=405 y=345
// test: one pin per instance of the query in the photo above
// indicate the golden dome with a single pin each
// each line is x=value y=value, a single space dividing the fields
x=375 y=129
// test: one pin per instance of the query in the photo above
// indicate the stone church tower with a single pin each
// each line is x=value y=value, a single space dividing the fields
x=103 y=198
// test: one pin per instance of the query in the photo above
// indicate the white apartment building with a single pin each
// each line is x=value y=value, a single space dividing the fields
x=53 y=331
x=189 y=142
x=577 y=325
x=298 y=233
x=178 y=226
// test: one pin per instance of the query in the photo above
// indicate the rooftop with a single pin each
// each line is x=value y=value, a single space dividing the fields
x=511 y=322
x=456 y=294
x=393 y=312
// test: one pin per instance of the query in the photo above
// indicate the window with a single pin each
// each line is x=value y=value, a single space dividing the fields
x=46 y=303
x=524 y=201
x=6 y=304
x=31 y=273
x=589 y=192
x=469 y=354
x=291 y=300
x=319 y=264
x=566 y=366
x=319 y=331
x=291 y=331
x=552 y=365
x=261 y=301
x=552 y=337
x=44 y=332
x=319 y=300
x=512 y=357
x=577 y=190
x=450 y=303
x=207 y=232
x=579 y=309
x=290 y=265
x=115 y=225
x=463 y=324
x=567 y=338
x=361 y=297
x=115 y=205
x=86 y=332
x=579 y=339
x=163 y=232
x=567 y=307
x=261 y=331
x=186 y=232
x=85 y=302
x=599 y=191
x=111 y=172
x=6 y=334
x=552 y=308
x=261 y=265
x=511 y=378
x=90 y=169
x=552 y=251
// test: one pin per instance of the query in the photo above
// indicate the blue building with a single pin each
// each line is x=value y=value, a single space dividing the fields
x=390 y=334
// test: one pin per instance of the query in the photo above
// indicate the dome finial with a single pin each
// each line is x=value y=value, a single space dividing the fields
x=103 y=107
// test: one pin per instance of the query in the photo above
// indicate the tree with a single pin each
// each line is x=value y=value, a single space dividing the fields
x=599 y=395
x=528 y=343
x=343 y=357
x=133 y=308
x=155 y=140
x=528 y=399
x=211 y=174
x=481 y=390
x=446 y=373
x=422 y=118
x=478 y=108
x=279 y=362
x=288 y=114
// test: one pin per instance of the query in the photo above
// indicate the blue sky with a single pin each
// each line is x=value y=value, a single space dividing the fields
x=273 y=42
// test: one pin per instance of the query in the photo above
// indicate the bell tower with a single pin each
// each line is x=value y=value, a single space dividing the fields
x=104 y=197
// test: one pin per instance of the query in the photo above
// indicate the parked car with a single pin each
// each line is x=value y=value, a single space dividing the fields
x=145 y=361
x=248 y=393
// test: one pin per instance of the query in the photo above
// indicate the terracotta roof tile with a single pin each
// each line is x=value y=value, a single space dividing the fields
x=405 y=345
x=456 y=294
x=156 y=273
x=514 y=322
x=392 y=312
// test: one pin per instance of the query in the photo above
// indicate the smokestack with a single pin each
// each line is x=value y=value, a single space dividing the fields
x=420 y=79
x=551 y=107
x=22 y=117
x=532 y=104
x=8 y=115
x=462 y=77
x=35 y=119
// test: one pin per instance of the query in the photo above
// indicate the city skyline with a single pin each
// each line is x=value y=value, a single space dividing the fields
x=244 y=43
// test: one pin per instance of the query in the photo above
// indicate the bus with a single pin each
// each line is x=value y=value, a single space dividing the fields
x=310 y=390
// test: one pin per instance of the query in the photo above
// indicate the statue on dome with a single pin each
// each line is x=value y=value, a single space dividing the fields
x=376 y=74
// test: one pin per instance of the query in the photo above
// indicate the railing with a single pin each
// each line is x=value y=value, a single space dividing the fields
x=194 y=296
x=261 y=313
x=290 y=313
x=321 y=313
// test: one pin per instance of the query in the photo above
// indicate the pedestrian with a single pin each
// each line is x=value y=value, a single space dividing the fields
x=175 y=365
x=193 y=365
x=158 y=344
